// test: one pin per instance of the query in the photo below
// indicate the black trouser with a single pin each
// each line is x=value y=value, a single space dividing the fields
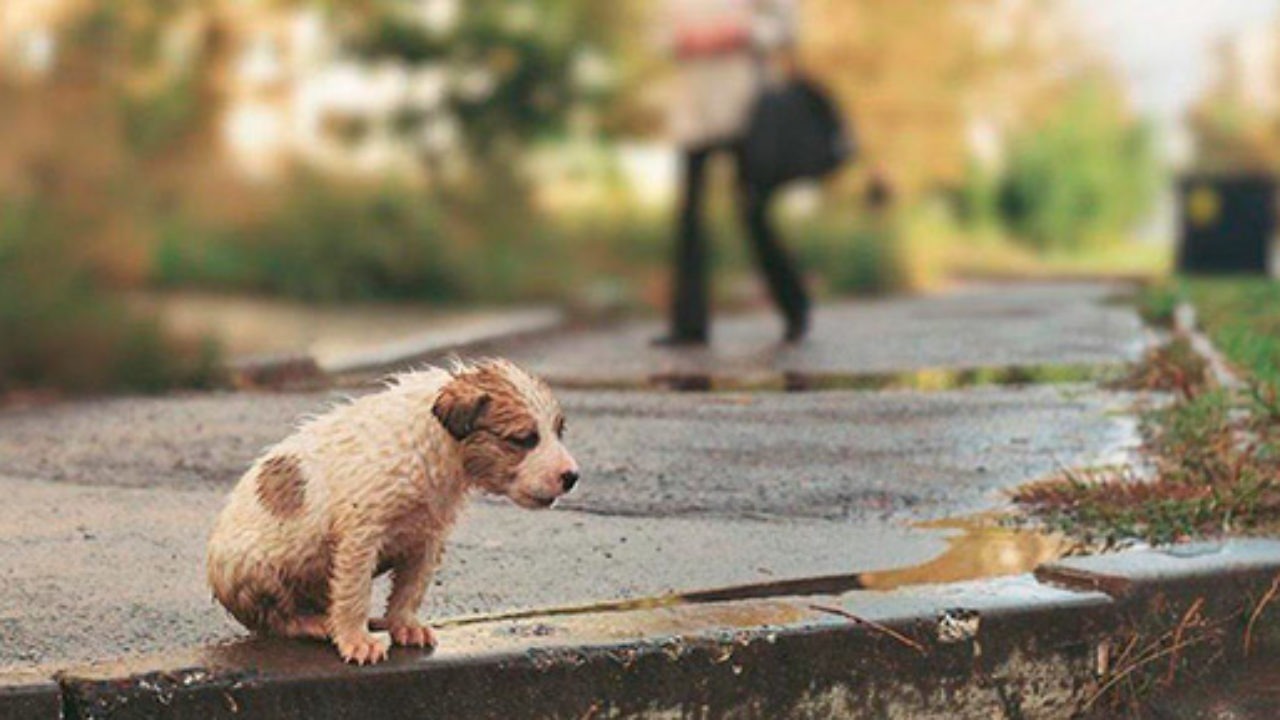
x=690 y=308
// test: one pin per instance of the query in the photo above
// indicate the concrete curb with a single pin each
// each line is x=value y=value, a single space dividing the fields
x=29 y=695
x=512 y=325
x=1027 y=646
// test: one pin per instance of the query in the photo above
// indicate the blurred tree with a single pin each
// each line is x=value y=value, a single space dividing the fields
x=999 y=103
x=117 y=127
x=517 y=70
x=1084 y=175
x=918 y=76
x=126 y=128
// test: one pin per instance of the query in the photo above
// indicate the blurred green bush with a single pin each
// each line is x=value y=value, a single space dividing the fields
x=855 y=256
x=336 y=243
x=1078 y=181
x=320 y=244
x=61 y=330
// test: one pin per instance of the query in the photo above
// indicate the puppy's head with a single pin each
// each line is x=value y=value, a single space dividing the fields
x=511 y=431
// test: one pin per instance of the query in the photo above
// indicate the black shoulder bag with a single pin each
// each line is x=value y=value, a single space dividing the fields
x=795 y=132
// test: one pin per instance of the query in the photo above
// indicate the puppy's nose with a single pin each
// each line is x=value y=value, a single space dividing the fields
x=569 y=478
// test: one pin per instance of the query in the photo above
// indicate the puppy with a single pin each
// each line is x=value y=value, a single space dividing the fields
x=374 y=486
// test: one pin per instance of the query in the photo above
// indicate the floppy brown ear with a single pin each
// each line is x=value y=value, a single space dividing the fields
x=459 y=406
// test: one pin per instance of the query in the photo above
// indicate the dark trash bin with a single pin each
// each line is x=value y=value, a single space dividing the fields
x=1227 y=224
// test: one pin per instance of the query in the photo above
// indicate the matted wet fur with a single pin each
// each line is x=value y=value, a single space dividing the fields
x=374 y=486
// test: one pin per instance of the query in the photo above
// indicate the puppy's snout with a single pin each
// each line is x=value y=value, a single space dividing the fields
x=568 y=479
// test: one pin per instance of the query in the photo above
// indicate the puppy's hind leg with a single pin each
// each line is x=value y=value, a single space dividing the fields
x=304 y=627
x=280 y=615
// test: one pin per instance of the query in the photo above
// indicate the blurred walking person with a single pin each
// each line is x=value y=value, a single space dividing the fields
x=726 y=53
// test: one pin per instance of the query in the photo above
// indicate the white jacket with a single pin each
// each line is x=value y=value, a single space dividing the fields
x=714 y=89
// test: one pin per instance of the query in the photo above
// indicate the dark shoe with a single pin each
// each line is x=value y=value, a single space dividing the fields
x=797 y=328
x=678 y=340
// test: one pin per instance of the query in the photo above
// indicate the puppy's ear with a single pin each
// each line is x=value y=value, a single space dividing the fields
x=459 y=406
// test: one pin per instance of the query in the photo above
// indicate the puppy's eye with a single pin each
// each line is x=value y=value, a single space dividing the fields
x=528 y=441
x=560 y=427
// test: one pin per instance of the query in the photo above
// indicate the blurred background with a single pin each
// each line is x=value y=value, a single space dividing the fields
x=186 y=179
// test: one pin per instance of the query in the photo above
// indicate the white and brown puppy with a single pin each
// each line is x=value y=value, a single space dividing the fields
x=375 y=485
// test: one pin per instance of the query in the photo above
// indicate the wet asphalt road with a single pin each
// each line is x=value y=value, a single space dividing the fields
x=108 y=502
x=854 y=456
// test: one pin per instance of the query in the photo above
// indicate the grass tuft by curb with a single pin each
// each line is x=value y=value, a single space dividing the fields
x=1216 y=462
x=1157 y=304
x=1172 y=367
x=1240 y=315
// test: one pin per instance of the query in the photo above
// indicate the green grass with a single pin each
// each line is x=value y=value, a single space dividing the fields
x=1216 y=461
x=1242 y=317
x=1158 y=302
x=1216 y=452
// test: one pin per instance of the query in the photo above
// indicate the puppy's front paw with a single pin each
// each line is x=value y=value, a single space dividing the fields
x=360 y=648
x=412 y=634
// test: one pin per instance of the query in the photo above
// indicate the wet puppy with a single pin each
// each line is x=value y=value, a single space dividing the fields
x=375 y=485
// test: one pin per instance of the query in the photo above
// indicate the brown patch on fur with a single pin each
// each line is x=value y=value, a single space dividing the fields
x=488 y=456
x=491 y=461
x=281 y=487
x=507 y=414
x=459 y=405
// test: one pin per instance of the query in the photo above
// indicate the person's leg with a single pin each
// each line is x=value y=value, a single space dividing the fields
x=689 y=306
x=785 y=283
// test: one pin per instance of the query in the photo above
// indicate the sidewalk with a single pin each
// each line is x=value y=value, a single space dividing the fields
x=112 y=499
x=1027 y=325
x=340 y=338
x=281 y=343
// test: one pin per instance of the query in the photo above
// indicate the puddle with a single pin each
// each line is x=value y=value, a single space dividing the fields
x=955 y=379
x=934 y=379
x=981 y=549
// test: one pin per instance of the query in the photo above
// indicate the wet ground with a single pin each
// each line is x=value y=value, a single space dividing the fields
x=1001 y=326
x=833 y=455
x=108 y=502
